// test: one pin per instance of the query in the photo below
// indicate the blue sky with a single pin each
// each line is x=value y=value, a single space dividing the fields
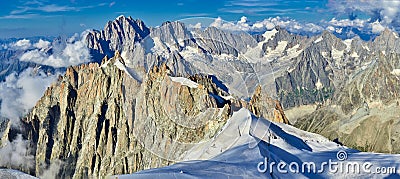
x=63 y=18
x=51 y=18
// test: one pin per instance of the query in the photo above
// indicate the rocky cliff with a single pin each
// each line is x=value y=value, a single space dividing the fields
x=100 y=121
x=365 y=114
x=118 y=34
x=265 y=106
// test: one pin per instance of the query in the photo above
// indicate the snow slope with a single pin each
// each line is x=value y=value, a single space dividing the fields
x=246 y=143
x=14 y=174
x=185 y=81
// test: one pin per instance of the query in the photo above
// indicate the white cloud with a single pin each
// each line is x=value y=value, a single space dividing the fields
x=42 y=44
x=53 y=169
x=20 y=92
x=338 y=26
x=16 y=154
x=255 y=7
x=358 y=23
x=56 y=8
x=197 y=26
x=330 y=28
x=217 y=22
x=243 y=20
x=386 y=11
x=377 y=27
x=51 y=8
x=20 y=16
x=225 y=25
x=23 y=44
x=26 y=44
x=74 y=52
x=267 y=24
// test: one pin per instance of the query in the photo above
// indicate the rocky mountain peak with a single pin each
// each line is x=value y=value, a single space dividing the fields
x=262 y=105
x=387 y=41
x=101 y=121
x=387 y=33
x=119 y=34
x=104 y=60
x=330 y=41
x=173 y=33
x=117 y=57
x=122 y=22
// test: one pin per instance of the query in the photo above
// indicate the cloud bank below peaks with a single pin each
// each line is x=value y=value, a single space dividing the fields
x=63 y=53
x=20 y=92
x=343 y=28
x=267 y=24
x=16 y=154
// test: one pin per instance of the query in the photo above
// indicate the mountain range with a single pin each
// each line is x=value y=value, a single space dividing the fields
x=155 y=96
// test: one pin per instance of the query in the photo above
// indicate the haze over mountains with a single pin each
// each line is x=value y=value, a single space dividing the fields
x=149 y=97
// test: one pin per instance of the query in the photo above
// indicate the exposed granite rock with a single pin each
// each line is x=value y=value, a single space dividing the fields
x=365 y=113
x=219 y=42
x=121 y=33
x=265 y=106
x=374 y=84
x=311 y=79
x=100 y=121
x=174 y=34
x=376 y=131
x=176 y=116
x=338 y=76
x=5 y=126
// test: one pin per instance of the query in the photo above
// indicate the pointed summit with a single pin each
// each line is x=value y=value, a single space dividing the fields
x=105 y=60
x=126 y=27
x=174 y=33
x=118 y=57
x=262 y=105
x=387 y=34
x=118 y=34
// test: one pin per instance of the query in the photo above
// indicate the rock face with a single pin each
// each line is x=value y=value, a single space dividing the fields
x=365 y=114
x=294 y=64
x=375 y=131
x=145 y=107
x=264 y=106
x=100 y=121
x=354 y=85
x=5 y=126
x=118 y=34
x=220 y=42
x=312 y=78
